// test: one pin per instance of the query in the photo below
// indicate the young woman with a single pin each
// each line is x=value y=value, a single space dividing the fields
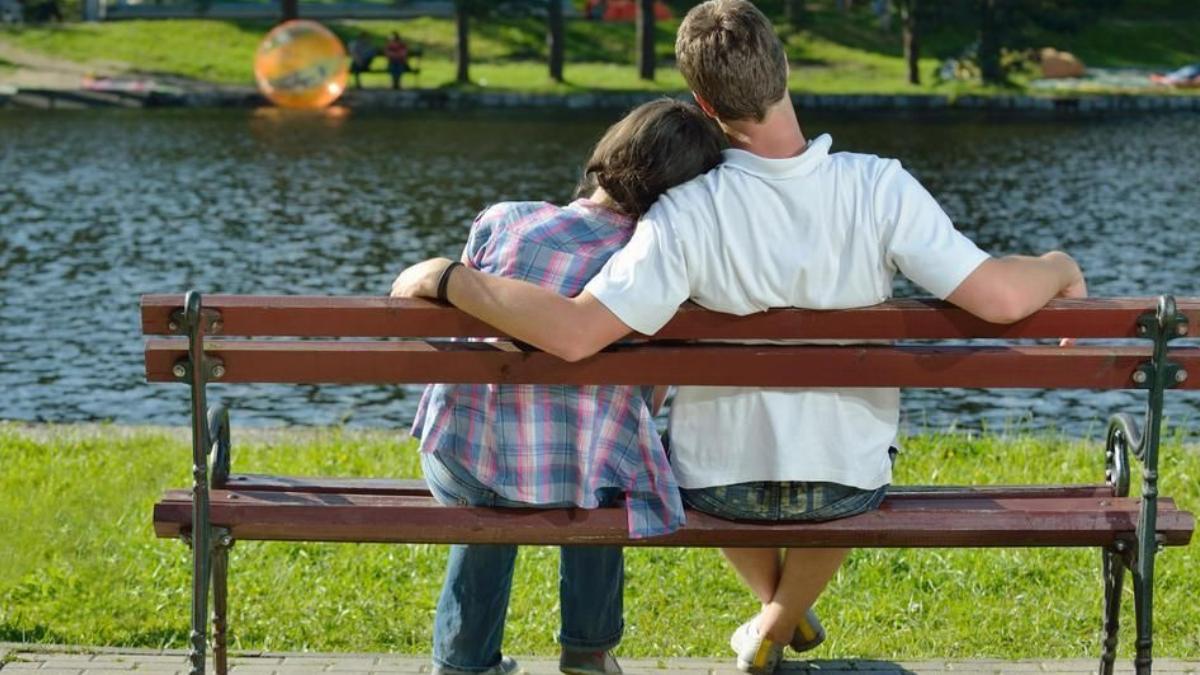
x=523 y=445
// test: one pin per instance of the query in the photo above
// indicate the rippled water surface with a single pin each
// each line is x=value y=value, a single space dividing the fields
x=99 y=207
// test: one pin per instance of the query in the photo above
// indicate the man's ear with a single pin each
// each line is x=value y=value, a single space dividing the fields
x=705 y=106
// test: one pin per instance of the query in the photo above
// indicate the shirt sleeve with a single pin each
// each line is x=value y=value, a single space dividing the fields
x=918 y=236
x=479 y=240
x=645 y=282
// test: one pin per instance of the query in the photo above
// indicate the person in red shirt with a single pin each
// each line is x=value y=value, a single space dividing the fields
x=396 y=52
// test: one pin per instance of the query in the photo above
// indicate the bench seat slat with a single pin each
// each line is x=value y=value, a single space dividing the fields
x=416 y=487
x=344 y=362
x=902 y=521
x=370 y=316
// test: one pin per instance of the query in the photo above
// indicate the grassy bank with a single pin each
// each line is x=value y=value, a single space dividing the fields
x=79 y=562
x=837 y=54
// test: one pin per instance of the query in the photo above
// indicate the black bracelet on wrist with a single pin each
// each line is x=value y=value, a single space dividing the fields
x=444 y=281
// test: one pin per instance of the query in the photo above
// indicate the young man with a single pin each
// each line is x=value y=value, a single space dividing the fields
x=781 y=223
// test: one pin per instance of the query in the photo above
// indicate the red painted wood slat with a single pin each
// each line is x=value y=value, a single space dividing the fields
x=343 y=362
x=309 y=316
x=417 y=487
x=902 y=521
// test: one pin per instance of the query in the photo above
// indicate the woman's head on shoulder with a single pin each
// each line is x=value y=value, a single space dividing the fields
x=655 y=147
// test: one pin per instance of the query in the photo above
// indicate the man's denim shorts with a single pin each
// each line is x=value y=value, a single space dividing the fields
x=785 y=501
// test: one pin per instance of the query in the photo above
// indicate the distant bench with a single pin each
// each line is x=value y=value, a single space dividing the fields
x=222 y=507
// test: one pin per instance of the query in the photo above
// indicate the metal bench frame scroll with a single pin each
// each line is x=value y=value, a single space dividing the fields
x=1137 y=555
x=210 y=437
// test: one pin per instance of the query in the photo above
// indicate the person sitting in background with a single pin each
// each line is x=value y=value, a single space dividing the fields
x=362 y=52
x=559 y=446
x=1187 y=76
x=396 y=51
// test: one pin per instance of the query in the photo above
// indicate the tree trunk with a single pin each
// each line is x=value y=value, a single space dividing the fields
x=645 y=39
x=463 y=51
x=989 y=43
x=912 y=41
x=797 y=13
x=290 y=9
x=554 y=38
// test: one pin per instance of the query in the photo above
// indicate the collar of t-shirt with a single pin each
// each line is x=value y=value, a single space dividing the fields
x=816 y=152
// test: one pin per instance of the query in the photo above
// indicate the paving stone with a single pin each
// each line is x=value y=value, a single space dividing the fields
x=924 y=666
x=116 y=661
x=359 y=664
x=872 y=665
x=1071 y=665
x=264 y=660
x=1022 y=667
x=113 y=661
x=180 y=660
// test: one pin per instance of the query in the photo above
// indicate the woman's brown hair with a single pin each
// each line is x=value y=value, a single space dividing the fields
x=657 y=146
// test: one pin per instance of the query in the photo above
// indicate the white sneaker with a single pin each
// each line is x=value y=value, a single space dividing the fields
x=809 y=632
x=755 y=653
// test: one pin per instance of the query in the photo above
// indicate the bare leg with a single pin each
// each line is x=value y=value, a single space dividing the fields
x=758 y=567
x=806 y=572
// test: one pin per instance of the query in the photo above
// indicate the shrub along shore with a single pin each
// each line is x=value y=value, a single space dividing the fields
x=79 y=563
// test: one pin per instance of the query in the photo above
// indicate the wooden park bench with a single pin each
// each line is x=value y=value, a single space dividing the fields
x=198 y=344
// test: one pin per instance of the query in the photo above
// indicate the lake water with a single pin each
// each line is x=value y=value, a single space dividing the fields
x=98 y=207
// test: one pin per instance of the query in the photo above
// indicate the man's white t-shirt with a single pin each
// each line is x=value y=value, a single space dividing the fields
x=820 y=231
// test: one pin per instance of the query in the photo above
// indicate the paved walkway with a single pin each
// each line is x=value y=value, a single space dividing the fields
x=16 y=658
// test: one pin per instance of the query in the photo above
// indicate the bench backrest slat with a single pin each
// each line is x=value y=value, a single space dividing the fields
x=380 y=362
x=302 y=316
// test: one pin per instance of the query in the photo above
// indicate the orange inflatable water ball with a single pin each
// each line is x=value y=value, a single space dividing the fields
x=301 y=64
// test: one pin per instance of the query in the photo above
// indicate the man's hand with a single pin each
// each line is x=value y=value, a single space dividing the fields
x=420 y=280
x=1076 y=288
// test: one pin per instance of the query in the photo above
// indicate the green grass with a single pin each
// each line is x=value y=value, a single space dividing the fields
x=79 y=562
x=506 y=56
x=838 y=54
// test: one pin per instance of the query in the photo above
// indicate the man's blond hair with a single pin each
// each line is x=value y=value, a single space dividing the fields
x=729 y=54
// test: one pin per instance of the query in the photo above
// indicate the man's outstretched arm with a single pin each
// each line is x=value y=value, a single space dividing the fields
x=569 y=328
x=1006 y=290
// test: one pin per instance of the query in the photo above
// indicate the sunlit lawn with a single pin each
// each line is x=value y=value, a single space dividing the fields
x=79 y=562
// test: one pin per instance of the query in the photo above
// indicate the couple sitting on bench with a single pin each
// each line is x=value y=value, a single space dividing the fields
x=663 y=215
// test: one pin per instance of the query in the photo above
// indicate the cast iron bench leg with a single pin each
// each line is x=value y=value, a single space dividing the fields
x=222 y=542
x=201 y=571
x=1143 y=600
x=1114 y=579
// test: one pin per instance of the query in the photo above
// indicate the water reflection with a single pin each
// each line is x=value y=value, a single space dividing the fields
x=99 y=207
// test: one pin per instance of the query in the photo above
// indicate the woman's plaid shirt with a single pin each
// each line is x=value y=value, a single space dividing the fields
x=544 y=444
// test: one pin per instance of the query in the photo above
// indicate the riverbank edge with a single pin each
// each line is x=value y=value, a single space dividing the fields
x=454 y=100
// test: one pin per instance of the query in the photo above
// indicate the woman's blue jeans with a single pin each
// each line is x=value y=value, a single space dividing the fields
x=469 y=626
